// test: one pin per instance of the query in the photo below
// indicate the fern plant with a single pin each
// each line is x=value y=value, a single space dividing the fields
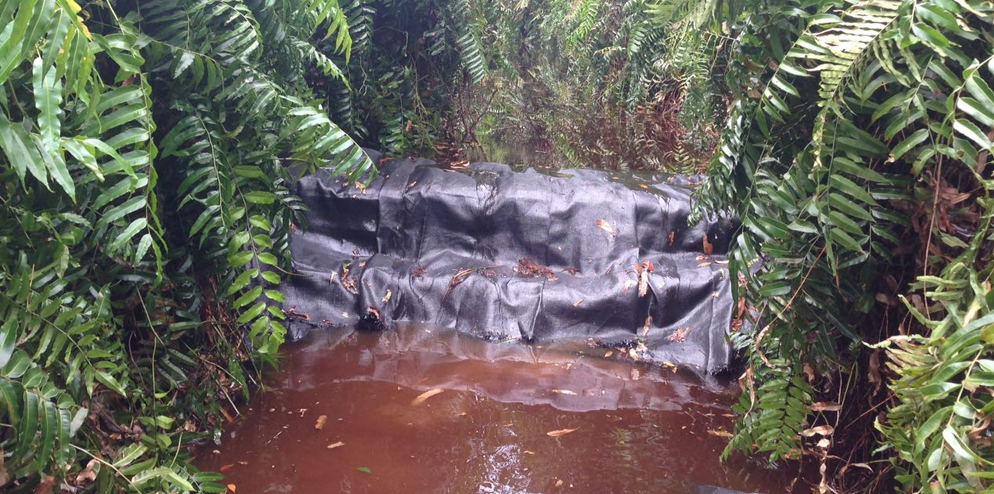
x=863 y=133
x=147 y=150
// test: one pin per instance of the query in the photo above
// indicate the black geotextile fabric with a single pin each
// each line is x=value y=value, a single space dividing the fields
x=519 y=256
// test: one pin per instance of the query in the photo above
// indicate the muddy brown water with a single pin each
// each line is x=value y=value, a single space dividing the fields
x=482 y=423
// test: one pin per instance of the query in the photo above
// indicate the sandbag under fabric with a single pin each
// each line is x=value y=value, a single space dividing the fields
x=516 y=256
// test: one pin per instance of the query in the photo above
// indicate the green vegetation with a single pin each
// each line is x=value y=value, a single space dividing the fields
x=146 y=161
x=148 y=150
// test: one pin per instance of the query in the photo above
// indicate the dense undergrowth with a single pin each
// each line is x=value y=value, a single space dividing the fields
x=148 y=149
x=144 y=219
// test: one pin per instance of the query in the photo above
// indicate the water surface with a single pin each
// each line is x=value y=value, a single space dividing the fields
x=344 y=415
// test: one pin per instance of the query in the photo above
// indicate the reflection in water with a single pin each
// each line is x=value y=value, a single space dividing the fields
x=638 y=428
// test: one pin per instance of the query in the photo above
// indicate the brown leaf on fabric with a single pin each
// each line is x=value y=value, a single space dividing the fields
x=604 y=225
x=530 y=269
x=576 y=303
x=458 y=278
x=386 y=298
x=424 y=396
x=680 y=335
x=708 y=248
x=642 y=270
x=560 y=432
x=672 y=237
x=320 y=423
x=646 y=326
x=336 y=445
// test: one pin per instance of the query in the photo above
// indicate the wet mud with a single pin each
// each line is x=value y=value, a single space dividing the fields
x=420 y=409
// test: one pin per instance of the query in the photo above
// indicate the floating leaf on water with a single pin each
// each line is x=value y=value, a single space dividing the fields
x=320 y=423
x=560 y=432
x=232 y=487
x=559 y=483
x=609 y=353
x=719 y=433
x=365 y=470
x=564 y=392
x=225 y=468
x=424 y=396
x=336 y=445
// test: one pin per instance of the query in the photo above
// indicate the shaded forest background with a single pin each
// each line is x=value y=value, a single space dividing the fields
x=149 y=148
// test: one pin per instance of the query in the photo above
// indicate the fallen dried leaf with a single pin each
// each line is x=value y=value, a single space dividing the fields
x=424 y=396
x=646 y=326
x=708 y=248
x=529 y=452
x=559 y=483
x=603 y=225
x=225 y=468
x=825 y=407
x=576 y=303
x=87 y=475
x=232 y=487
x=874 y=371
x=336 y=445
x=560 y=432
x=564 y=392
x=386 y=298
x=719 y=433
x=458 y=278
x=45 y=486
x=672 y=237
x=320 y=423
x=609 y=353
x=823 y=430
x=680 y=335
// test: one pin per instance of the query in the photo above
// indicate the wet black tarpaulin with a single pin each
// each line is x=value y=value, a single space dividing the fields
x=519 y=256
